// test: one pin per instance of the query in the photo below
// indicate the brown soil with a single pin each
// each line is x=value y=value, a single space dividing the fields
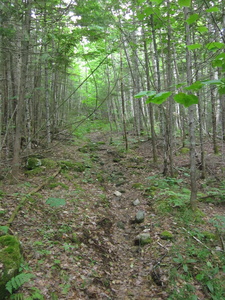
x=86 y=249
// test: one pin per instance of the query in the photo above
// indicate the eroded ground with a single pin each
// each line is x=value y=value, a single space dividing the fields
x=86 y=249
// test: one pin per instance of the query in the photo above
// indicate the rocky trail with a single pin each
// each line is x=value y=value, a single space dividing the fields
x=92 y=231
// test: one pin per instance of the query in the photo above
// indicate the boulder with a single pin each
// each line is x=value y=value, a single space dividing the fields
x=10 y=261
x=33 y=162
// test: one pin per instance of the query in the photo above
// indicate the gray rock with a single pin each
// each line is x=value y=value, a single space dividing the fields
x=140 y=216
x=143 y=239
x=117 y=194
x=136 y=202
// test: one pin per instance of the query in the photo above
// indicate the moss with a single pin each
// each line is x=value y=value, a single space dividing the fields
x=90 y=147
x=166 y=235
x=10 y=258
x=209 y=235
x=75 y=166
x=34 y=172
x=184 y=150
x=137 y=186
x=33 y=163
x=143 y=239
x=48 y=163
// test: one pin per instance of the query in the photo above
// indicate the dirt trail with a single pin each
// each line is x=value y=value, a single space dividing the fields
x=86 y=249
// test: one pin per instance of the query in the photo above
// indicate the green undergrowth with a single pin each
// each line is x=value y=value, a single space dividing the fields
x=197 y=260
x=83 y=129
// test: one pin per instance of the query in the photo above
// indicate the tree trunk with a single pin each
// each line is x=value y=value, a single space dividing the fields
x=22 y=75
x=191 y=114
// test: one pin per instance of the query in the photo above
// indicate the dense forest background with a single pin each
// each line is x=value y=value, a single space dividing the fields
x=112 y=158
x=66 y=62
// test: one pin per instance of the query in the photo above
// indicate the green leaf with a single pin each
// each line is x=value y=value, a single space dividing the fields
x=157 y=1
x=184 y=3
x=140 y=17
x=210 y=286
x=222 y=90
x=186 y=99
x=148 y=11
x=193 y=18
x=185 y=268
x=144 y=94
x=215 y=46
x=195 y=86
x=55 y=202
x=16 y=282
x=202 y=29
x=200 y=276
x=214 y=81
x=212 y=9
x=159 y=98
x=194 y=46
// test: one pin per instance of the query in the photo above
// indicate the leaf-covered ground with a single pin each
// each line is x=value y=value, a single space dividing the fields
x=79 y=235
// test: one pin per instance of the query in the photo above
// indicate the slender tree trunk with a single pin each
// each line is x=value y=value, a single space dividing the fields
x=150 y=107
x=191 y=113
x=23 y=61
x=123 y=103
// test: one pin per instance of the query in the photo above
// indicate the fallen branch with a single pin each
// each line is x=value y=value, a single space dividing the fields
x=25 y=198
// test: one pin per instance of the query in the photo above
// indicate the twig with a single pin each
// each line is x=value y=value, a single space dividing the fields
x=25 y=198
x=197 y=240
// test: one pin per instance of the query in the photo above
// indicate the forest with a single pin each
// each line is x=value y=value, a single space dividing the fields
x=112 y=149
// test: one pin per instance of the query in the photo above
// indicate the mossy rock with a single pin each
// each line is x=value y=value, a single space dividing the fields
x=143 y=239
x=138 y=186
x=209 y=235
x=34 y=172
x=74 y=166
x=184 y=150
x=166 y=235
x=33 y=163
x=10 y=261
x=88 y=148
x=48 y=163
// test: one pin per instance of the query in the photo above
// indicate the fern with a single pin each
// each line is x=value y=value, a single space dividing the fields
x=36 y=295
x=19 y=296
x=16 y=282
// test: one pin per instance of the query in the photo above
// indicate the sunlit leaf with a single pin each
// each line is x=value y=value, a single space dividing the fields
x=55 y=202
x=194 y=46
x=193 y=18
x=159 y=98
x=215 y=46
x=148 y=11
x=186 y=99
x=157 y=1
x=184 y=2
x=202 y=29
x=212 y=9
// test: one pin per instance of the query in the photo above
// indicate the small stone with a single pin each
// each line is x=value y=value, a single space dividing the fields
x=117 y=194
x=136 y=202
x=143 y=239
x=140 y=216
